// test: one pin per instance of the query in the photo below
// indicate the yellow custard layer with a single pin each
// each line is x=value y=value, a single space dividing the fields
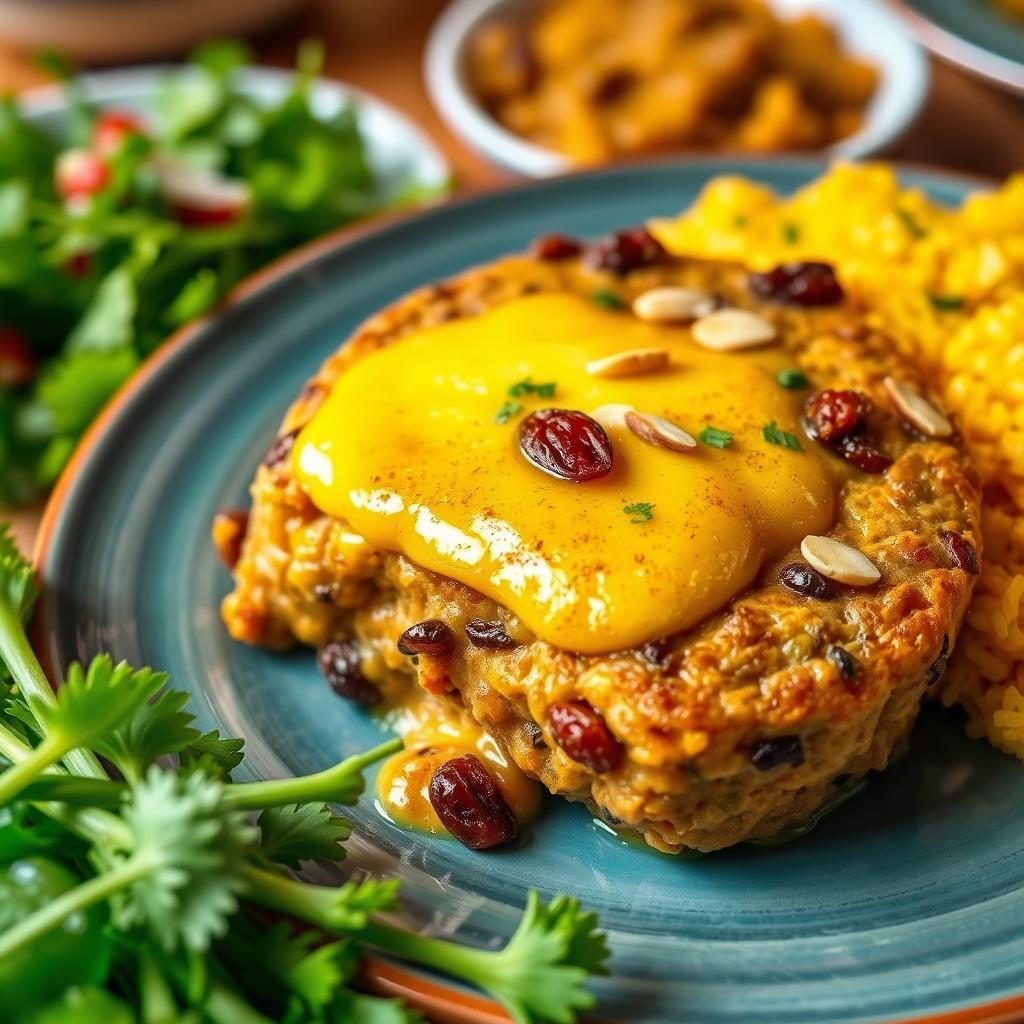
x=406 y=449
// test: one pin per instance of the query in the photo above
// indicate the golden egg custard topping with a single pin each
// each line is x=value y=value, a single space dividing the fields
x=693 y=469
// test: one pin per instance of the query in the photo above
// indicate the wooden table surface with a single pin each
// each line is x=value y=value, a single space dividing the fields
x=377 y=45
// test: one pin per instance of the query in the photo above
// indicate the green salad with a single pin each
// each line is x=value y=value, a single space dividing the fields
x=161 y=892
x=129 y=227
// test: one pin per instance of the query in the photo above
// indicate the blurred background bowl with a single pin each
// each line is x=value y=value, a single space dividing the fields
x=866 y=28
x=106 y=31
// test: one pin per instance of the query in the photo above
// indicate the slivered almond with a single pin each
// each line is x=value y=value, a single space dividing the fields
x=634 y=363
x=660 y=432
x=839 y=561
x=728 y=330
x=672 y=304
x=611 y=415
x=916 y=409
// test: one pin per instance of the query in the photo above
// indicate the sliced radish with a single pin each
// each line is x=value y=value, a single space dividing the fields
x=202 y=198
x=80 y=172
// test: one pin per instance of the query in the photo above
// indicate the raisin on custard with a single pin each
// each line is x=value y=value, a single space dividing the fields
x=470 y=804
x=567 y=444
x=799 y=284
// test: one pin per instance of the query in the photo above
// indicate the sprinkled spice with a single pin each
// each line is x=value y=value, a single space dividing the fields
x=773 y=434
x=716 y=438
x=527 y=387
x=791 y=379
x=843 y=660
x=608 y=300
x=640 y=512
x=773 y=753
x=946 y=303
x=507 y=411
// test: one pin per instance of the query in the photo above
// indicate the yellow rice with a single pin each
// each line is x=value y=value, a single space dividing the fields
x=907 y=258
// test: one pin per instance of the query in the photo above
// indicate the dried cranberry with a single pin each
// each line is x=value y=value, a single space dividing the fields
x=781 y=750
x=834 y=414
x=843 y=660
x=470 y=804
x=341 y=667
x=555 y=248
x=566 y=443
x=961 y=551
x=860 y=451
x=584 y=735
x=229 y=526
x=429 y=637
x=490 y=634
x=805 y=581
x=938 y=666
x=280 y=449
x=801 y=284
x=17 y=363
x=626 y=251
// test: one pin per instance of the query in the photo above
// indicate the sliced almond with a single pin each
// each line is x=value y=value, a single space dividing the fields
x=612 y=415
x=917 y=410
x=634 y=363
x=660 y=432
x=728 y=330
x=839 y=561
x=672 y=304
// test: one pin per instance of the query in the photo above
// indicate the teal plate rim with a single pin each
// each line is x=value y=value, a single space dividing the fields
x=82 y=612
x=979 y=40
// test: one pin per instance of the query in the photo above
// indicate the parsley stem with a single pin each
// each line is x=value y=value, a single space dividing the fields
x=17 y=654
x=80 y=898
x=341 y=784
x=25 y=771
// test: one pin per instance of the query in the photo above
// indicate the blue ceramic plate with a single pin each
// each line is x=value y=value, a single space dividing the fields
x=906 y=903
x=976 y=34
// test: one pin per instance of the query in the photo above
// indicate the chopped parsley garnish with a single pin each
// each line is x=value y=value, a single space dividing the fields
x=946 y=303
x=774 y=435
x=911 y=224
x=792 y=379
x=507 y=411
x=608 y=300
x=790 y=234
x=527 y=387
x=640 y=512
x=716 y=438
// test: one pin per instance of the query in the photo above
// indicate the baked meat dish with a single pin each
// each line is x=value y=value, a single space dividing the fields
x=678 y=540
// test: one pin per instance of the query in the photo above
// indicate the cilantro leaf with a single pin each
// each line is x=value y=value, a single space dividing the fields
x=159 y=728
x=640 y=511
x=715 y=438
x=946 y=303
x=910 y=222
x=773 y=434
x=215 y=756
x=607 y=299
x=353 y=1008
x=297 y=832
x=507 y=411
x=72 y=390
x=790 y=233
x=527 y=387
x=791 y=379
x=18 y=586
x=107 y=322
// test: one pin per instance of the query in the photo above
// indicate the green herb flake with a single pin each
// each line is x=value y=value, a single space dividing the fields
x=774 y=435
x=507 y=411
x=527 y=387
x=608 y=300
x=716 y=438
x=791 y=379
x=946 y=303
x=740 y=221
x=910 y=222
x=640 y=512
x=790 y=233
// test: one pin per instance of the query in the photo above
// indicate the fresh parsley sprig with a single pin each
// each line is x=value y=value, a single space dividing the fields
x=180 y=855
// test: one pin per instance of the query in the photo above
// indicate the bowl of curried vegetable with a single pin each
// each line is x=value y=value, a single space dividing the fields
x=545 y=86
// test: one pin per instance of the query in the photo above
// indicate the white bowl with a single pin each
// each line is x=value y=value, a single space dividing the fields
x=867 y=28
x=399 y=154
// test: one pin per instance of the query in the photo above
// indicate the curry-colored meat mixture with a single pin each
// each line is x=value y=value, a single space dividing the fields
x=598 y=78
x=734 y=730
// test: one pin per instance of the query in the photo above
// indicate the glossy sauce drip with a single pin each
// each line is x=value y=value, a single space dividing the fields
x=433 y=734
x=407 y=450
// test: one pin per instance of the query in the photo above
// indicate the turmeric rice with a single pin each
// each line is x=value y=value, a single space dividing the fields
x=955 y=280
